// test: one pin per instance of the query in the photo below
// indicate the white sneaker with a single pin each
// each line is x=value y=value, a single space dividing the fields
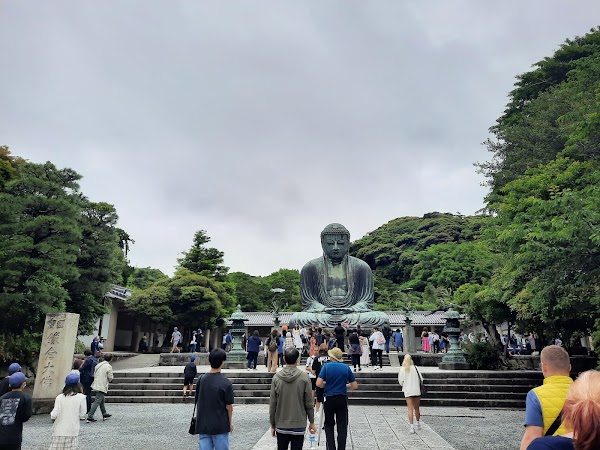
x=411 y=430
x=418 y=425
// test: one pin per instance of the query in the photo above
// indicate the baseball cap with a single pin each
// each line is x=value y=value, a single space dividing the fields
x=14 y=367
x=192 y=358
x=335 y=353
x=72 y=379
x=16 y=379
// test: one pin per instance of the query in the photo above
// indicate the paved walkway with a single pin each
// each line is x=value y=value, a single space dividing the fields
x=370 y=429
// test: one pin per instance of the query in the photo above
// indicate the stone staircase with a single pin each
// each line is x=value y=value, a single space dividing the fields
x=469 y=389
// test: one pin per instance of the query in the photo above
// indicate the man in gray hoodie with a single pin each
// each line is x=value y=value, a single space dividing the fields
x=291 y=403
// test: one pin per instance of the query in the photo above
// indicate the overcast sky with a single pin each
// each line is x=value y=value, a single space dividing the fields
x=263 y=121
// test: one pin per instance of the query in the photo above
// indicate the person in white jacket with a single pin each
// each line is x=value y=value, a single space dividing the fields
x=410 y=380
x=69 y=408
x=103 y=375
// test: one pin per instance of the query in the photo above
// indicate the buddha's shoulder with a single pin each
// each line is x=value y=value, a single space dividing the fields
x=313 y=264
x=358 y=263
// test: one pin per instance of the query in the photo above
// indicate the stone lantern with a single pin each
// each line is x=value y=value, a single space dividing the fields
x=454 y=359
x=238 y=328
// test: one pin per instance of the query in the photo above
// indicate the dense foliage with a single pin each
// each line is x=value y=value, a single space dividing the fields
x=58 y=252
x=545 y=182
x=195 y=296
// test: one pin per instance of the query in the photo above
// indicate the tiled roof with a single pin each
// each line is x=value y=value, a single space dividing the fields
x=397 y=318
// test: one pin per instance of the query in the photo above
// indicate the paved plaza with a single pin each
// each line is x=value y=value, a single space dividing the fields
x=164 y=426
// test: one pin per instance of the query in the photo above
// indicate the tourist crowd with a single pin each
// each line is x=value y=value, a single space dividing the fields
x=561 y=414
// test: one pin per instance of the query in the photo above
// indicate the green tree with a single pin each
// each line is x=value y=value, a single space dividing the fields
x=207 y=261
x=289 y=280
x=251 y=292
x=145 y=277
x=99 y=262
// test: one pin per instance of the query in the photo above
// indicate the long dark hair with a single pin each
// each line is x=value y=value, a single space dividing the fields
x=72 y=389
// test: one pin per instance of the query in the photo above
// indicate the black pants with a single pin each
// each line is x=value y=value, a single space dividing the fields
x=340 y=342
x=87 y=390
x=280 y=359
x=284 y=440
x=377 y=354
x=356 y=360
x=336 y=411
x=252 y=359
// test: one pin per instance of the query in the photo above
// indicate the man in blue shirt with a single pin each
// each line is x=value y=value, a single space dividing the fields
x=336 y=377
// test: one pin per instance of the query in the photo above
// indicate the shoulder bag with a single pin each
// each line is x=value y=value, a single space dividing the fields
x=192 y=429
x=421 y=384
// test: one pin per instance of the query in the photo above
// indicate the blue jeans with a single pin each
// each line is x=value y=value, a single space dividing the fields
x=214 y=441
x=387 y=345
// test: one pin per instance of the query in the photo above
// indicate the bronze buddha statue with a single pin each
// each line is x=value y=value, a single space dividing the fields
x=337 y=287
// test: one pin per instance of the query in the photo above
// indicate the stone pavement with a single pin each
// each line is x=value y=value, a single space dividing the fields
x=164 y=426
x=370 y=429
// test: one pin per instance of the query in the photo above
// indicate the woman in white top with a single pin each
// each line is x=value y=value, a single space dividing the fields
x=410 y=380
x=365 y=357
x=69 y=409
x=296 y=335
x=378 y=348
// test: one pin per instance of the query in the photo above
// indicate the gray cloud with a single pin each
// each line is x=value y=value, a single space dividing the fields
x=261 y=122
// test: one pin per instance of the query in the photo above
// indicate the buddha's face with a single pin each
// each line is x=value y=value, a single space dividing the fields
x=335 y=246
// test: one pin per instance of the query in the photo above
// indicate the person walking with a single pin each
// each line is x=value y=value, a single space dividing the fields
x=425 y=341
x=355 y=349
x=332 y=341
x=410 y=380
x=214 y=405
x=86 y=375
x=4 y=384
x=189 y=373
x=365 y=357
x=398 y=338
x=320 y=360
x=291 y=404
x=175 y=340
x=103 y=375
x=387 y=334
x=378 y=341
x=544 y=403
x=69 y=408
x=280 y=342
x=581 y=416
x=15 y=409
x=312 y=339
x=95 y=345
x=288 y=342
x=297 y=336
x=335 y=377
x=193 y=343
x=311 y=375
x=272 y=344
x=254 y=343
x=340 y=332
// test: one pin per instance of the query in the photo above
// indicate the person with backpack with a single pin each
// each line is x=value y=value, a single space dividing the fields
x=387 y=334
x=319 y=361
x=86 y=374
x=271 y=345
x=378 y=346
x=189 y=373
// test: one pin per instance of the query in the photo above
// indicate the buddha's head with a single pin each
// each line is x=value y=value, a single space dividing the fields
x=335 y=241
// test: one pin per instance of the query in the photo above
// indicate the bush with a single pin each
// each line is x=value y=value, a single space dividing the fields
x=80 y=347
x=482 y=356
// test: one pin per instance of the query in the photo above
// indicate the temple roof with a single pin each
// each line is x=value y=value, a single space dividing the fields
x=397 y=318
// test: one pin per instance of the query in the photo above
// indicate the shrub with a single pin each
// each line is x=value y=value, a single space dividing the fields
x=482 y=355
x=79 y=347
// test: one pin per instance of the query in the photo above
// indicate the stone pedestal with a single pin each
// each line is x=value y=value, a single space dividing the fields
x=56 y=359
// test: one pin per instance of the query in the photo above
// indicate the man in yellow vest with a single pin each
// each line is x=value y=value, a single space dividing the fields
x=544 y=403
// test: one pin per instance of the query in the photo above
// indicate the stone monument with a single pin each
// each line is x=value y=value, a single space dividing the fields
x=56 y=359
x=337 y=287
